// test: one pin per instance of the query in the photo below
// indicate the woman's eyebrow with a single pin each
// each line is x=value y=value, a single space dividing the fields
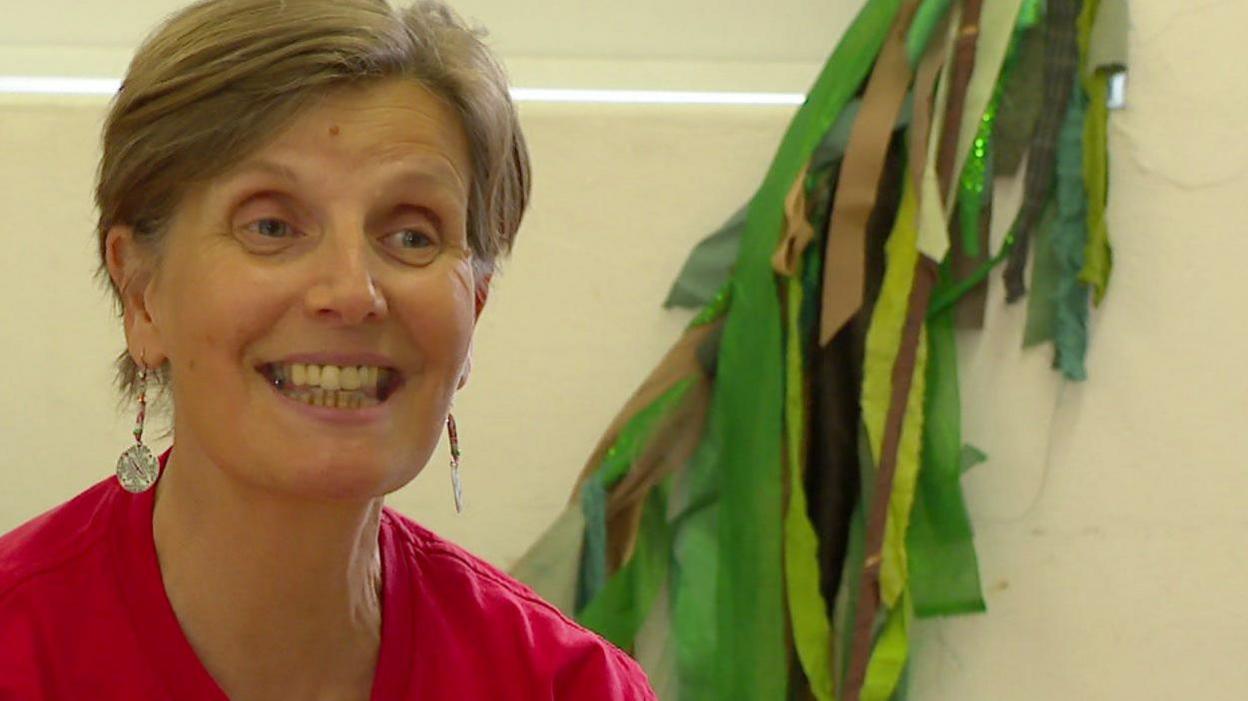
x=432 y=173
x=440 y=181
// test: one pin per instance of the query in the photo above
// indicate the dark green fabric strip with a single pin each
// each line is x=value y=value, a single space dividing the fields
x=593 y=574
x=1070 y=239
x=615 y=464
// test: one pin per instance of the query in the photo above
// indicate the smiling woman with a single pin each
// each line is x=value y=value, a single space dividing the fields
x=301 y=204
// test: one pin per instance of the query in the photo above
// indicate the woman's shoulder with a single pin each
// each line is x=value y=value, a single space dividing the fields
x=502 y=618
x=55 y=540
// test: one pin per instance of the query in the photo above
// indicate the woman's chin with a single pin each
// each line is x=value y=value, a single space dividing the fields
x=356 y=477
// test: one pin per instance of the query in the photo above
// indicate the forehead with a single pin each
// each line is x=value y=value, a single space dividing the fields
x=376 y=125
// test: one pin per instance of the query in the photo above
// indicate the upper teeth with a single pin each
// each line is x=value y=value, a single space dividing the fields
x=334 y=377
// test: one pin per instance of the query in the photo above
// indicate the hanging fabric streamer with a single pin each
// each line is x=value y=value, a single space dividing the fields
x=780 y=499
x=1061 y=62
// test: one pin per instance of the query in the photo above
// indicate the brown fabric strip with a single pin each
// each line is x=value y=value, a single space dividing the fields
x=680 y=362
x=798 y=232
x=669 y=448
x=859 y=181
x=963 y=65
x=925 y=273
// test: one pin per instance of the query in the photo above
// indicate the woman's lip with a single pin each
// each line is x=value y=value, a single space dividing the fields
x=338 y=417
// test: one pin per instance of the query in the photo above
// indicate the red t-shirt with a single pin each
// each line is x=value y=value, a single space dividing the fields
x=83 y=615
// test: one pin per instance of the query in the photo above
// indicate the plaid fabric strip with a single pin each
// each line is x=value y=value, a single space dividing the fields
x=1061 y=60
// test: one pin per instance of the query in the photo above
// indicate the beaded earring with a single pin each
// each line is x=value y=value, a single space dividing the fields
x=137 y=468
x=457 y=487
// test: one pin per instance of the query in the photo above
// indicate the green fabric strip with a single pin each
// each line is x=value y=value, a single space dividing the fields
x=1070 y=237
x=944 y=569
x=695 y=569
x=620 y=609
x=808 y=613
x=716 y=308
x=923 y=28
x=971 y=457
x=654 y=648
x=708 y=266
x=752 y=657
x=974 y=187
x=1041 y=307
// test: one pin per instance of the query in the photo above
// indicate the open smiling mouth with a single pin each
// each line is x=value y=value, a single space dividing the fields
x=334 y=386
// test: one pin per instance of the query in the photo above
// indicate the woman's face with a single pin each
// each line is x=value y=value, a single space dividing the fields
x=331 y=267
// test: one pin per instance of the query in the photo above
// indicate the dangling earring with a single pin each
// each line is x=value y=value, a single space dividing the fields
x=457 y=487
x=137 y=468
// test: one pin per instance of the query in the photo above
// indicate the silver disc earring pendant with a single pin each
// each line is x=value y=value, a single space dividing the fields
x=457 y=487
x=137 y=468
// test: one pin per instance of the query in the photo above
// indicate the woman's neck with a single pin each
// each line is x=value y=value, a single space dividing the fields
x=280 y=598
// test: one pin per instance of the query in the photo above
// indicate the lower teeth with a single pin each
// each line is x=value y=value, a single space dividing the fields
x=333 y=398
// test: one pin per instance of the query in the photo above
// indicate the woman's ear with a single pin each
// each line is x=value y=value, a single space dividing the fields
x=483 y=293
x=466 y=371
x=132 y=273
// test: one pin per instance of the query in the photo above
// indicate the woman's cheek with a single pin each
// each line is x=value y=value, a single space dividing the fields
x=437 y=314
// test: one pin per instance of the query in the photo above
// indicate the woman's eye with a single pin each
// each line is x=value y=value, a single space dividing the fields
x=270 y=227
x=412 y=246
x=412 y=239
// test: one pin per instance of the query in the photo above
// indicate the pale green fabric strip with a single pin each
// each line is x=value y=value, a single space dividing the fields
x=933 y=223
x=884 y=332
x=895 y=569
x=808 y=612
x=1107 y=46
x=884 y=337
x=888 y=659
x=1097 y=255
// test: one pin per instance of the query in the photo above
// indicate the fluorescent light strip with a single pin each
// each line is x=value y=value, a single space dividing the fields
x=29 y=85
x=656 y=97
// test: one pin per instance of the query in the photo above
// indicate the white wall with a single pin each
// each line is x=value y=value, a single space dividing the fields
x=1112 y=518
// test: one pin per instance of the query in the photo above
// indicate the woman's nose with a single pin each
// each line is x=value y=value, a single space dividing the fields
x=345 y=289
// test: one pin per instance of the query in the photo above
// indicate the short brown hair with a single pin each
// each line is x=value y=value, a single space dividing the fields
x=220 y=77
